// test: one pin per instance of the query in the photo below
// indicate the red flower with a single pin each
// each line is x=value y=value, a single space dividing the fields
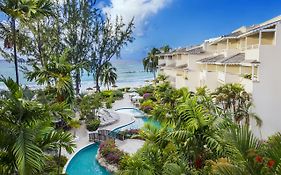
x=259 y=159
x=270 y=163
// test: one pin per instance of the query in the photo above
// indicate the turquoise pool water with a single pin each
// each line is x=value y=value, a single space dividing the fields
x=85 y=163
x=139 y=122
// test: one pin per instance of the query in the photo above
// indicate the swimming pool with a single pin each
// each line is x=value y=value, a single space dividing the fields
x=84 y=162
x=140 y=119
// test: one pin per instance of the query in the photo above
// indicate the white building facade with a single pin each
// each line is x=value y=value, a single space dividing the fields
x=249 y=55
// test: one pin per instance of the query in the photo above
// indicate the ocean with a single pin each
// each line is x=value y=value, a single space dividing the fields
x=130 y=74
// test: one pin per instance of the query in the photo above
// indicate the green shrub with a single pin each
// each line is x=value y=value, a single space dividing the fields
x=108 y=104
x=117 y=94
x=145 y=89
x=147 y=106
x=93 y=125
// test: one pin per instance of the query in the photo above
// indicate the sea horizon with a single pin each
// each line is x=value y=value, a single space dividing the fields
x=130 y=73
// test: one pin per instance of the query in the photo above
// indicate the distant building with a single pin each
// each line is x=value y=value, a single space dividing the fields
x=249 y=55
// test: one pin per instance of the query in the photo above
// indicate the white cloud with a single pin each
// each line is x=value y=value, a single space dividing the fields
x=140 y=10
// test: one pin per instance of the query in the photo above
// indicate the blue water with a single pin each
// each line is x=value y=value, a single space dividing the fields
x=130 y=73
x=139 y=122
x=85 y=163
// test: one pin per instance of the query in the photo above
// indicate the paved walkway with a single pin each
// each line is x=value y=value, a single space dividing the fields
x=82 y=134
x=130 y=146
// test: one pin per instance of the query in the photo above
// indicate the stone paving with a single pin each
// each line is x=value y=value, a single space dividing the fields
x=130 y=145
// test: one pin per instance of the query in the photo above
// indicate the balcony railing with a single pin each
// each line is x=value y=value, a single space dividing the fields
x=221 y=76
x=253 y=46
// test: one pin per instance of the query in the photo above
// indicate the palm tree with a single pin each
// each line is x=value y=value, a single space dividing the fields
x=22 y=10
x=108 y=75
x=165 y=49
x=57 y=76
x=24 y=129
x=150 y=62
x=236 y=101
x=197 y=132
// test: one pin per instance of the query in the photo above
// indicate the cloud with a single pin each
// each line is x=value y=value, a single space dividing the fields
x=140 y=10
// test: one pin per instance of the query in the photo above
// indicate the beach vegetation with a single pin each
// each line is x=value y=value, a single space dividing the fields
x=21 y=12
x=150 y=62
x=108 y=75
x=108 y=38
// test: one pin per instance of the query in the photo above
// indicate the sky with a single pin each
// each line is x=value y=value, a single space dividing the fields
x=181 y=23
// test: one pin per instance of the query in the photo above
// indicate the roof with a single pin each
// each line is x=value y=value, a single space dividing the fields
x=163 y=64
x=171 y=65
x=236 y=59
x=212 y=59
x=244 y=31
x=182 y=66
x=186 y=50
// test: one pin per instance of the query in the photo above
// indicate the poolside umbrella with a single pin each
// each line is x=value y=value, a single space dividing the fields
x=146 y=81
x=114 y=86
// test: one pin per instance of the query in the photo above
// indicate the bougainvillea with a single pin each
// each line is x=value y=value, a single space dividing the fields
x=110 y=152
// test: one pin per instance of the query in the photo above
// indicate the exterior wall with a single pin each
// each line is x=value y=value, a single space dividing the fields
x=181 y=60
x=266 y=92
x=267 y=38
x=253 y=39
x=233 y=69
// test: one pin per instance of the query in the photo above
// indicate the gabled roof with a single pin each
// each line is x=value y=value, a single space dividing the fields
x=182 y=66
x=236 y=59
x=184 y=51
x=211 y=60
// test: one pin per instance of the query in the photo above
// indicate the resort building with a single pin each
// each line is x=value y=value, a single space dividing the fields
x=249 y=55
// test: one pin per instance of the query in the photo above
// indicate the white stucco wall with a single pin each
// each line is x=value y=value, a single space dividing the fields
x=267 y=92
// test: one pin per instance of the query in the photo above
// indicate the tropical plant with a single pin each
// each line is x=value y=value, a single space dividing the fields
x=26 y=132
x=108 y=38
x=22 y=11
x=93 y=125
x=150 y=62
x=236 y=101
x=57 y=76
x=108 y=75
x=89 y=105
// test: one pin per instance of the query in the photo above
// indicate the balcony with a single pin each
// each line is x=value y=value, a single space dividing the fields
x=252 y=52
x=248 y=84
x=203 y=75
x=161 y=62
x=181 y=62
x=221 y=77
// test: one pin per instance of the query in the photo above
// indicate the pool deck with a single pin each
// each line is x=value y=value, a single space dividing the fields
x=130 y=145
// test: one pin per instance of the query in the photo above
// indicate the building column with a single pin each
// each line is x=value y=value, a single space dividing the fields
x=253 y=72
x=246 y=43
x=260 y=37
x=227 y=44
x=240 y=69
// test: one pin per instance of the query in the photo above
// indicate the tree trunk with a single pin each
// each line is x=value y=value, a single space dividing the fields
x=154 y=74
x=15 y=49
x=97 y=81
x=59 y=157
x=77 y=81
x=40 y=45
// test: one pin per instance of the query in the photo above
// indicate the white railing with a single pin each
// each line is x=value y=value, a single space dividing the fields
x=221 y=76
x=254 y=46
